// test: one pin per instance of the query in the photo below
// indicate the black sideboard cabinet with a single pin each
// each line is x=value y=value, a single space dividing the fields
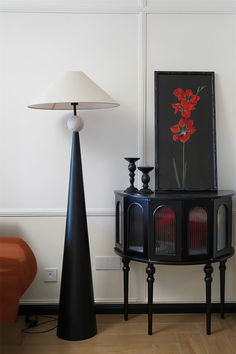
x=174 y=229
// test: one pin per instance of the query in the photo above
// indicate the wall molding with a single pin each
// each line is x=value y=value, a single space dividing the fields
x=120 y=7
x=53 y=212
x=58 y=212
x=191 y=7
x=71 y=6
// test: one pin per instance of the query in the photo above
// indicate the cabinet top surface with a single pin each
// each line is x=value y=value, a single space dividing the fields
x=180 y=195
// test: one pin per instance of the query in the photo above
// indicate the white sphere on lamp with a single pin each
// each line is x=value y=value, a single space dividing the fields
x=75 y=123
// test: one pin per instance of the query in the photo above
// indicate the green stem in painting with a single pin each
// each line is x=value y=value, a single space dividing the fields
x=176 y=174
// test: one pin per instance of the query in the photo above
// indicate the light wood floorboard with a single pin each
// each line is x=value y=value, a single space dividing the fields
x=172 y=334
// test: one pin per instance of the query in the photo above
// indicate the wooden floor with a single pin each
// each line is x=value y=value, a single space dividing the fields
x=172 y=334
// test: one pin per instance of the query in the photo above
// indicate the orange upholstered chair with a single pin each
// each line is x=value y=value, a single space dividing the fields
x=18 y=268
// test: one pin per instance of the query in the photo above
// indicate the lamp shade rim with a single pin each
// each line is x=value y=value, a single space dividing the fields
x=68 y=106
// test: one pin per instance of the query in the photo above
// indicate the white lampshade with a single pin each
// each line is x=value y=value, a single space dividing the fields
x=73 y=87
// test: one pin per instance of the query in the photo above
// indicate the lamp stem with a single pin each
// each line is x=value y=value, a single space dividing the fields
x=74 y=104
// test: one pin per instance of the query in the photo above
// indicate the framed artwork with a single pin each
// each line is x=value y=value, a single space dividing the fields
x=185 y=139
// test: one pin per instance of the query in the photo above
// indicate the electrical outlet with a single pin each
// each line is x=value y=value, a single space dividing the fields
x=50 y=274
x=107 y=262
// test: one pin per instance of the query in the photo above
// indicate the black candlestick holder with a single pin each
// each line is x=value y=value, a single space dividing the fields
x=145 y=179
x=131 y=168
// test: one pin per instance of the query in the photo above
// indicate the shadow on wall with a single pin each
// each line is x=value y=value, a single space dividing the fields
x=11 y=229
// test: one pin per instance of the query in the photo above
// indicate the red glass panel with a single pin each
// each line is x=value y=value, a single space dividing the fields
x=165 y=231
x=197 y=231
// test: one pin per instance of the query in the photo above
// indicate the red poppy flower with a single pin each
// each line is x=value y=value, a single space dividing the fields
x=176 y=107
x=186 y=113
x=187 y=105
x=183 y=130
x=179 y=93
x=189 y=123
x=188 y=93
x=195 y=99
x=182 y=122
x=184 y=138
x=191 y=129
x=175 y=137
x=175 y=128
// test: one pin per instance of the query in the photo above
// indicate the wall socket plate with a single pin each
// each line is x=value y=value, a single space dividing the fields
x=50 y=275
x=109 y=262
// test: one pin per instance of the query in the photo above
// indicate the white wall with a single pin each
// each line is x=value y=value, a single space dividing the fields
x=119 y=45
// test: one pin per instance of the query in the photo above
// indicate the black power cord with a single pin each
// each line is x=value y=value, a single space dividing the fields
x=32 y=321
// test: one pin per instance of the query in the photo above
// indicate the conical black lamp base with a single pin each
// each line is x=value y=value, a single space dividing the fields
x=76 y=317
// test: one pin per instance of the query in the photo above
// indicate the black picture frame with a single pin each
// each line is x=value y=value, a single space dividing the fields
x=185 y=135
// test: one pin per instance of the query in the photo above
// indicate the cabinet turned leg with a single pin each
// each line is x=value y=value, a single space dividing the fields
x=126 y=269
x=222 y=269
x=208 y=279
x=150 y=270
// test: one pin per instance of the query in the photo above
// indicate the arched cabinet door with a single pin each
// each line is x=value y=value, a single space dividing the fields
x=135 y=228
x=197 y=234
x=223 y=227
x=118 y=223
x=119 y=241
x=221 y=239
x=164 y=231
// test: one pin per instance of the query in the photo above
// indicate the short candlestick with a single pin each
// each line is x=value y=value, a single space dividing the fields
x=145 y=179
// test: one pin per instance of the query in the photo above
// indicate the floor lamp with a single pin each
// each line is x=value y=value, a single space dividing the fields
x=76 y=316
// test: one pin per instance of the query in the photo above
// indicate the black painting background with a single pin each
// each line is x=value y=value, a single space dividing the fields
x=200 y=148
